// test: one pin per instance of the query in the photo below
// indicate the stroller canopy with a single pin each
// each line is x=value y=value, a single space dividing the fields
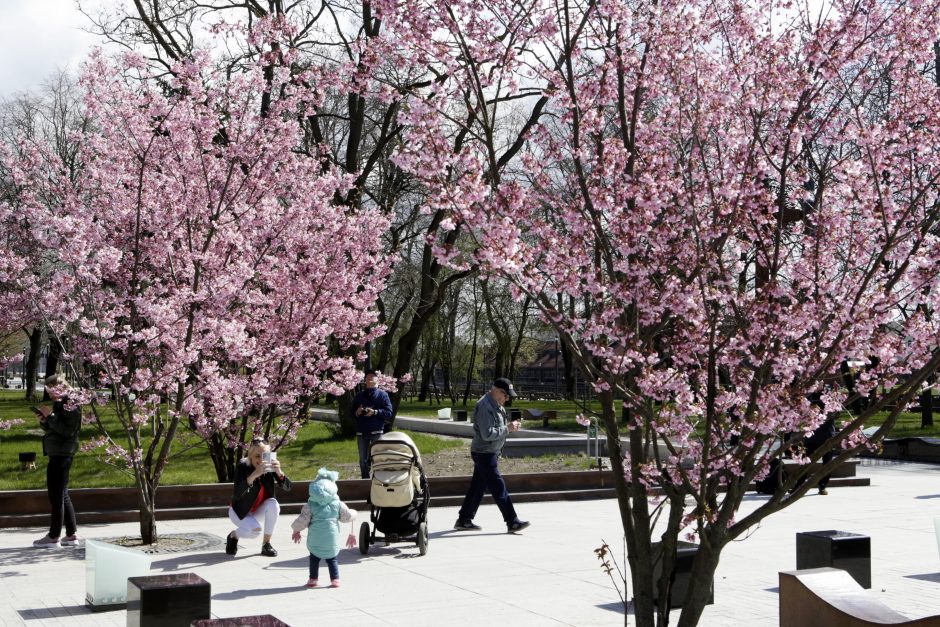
x=396 y=470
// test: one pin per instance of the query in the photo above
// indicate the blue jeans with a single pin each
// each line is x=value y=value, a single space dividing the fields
x=365 y=441
x=486 y=477
x=332 y=563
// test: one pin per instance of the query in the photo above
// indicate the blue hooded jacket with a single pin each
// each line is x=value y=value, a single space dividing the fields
x=323 y=537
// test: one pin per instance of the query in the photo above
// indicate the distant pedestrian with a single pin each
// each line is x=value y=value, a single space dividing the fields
x=372 y=412
x=823 y=433
x=254 y=505
x=490 y=428
x=60 y=424
x=321 y=516
x=816 y=440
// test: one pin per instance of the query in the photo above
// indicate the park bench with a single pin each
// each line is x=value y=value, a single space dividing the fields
x=829 y=597
x=544 y=414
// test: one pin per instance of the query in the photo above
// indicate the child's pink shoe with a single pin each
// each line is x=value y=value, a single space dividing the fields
x=334 y=583
x=311 y=583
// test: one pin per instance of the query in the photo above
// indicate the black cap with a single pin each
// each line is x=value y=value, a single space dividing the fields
x=506 y=386
x=373 y=371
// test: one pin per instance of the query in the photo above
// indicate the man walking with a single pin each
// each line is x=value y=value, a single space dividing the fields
x=490 y=428
x=372 y=411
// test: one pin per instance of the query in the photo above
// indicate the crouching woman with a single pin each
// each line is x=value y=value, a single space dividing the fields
x=253 y=504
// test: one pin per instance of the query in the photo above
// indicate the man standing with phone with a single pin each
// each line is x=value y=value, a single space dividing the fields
x=490 y=428
x=60 y=424
x=372 y=411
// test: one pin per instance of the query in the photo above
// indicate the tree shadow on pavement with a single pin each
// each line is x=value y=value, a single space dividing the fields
x=45 y=613
x=22 y=556
x=235 y=595
x=191 y=560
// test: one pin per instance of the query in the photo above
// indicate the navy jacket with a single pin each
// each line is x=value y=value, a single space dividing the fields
x=379 y=401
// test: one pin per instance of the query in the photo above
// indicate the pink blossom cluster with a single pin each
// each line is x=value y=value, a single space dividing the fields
x=200 y=259
x=734 y=198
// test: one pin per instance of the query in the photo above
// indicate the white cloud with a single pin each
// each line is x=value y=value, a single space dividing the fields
x=36 y=38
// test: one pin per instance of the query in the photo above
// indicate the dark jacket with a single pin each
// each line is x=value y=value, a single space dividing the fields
x=245 y=495
x=379 y=401
x=823 y=433
x=61 y=430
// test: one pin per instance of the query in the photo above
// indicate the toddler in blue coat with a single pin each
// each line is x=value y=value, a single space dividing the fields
x=321 y=516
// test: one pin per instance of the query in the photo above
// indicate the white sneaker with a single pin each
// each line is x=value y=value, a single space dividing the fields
x=46 y=542
x=72 y=540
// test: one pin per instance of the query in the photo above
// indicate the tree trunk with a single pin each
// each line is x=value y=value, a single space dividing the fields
x=407 y=346
x=148 y=518
x=347 y=424
x=447 y=350
x=32 y=362
x=430 y=298
x=568 y=363
x=222 y=458
x=926 y=408
x=519 y=337
x=52 y=359
x=427 y=373
x=385 y=342
x=703 y=572
x=473 y=346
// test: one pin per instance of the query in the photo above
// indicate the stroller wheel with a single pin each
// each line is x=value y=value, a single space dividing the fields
x=364 y=537
x=422 y=539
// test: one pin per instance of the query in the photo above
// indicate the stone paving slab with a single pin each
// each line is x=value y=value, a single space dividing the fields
x=547 y=575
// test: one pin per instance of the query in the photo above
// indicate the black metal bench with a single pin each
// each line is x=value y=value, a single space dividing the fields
x=544 y=414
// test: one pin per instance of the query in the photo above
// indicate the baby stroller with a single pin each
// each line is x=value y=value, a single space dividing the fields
x=398 y=496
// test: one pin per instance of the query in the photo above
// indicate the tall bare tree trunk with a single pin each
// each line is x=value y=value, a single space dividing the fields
x=32 y=362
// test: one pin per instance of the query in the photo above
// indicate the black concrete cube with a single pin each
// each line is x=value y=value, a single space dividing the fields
x=165 y=600
x=685 y=556
x=839 y=549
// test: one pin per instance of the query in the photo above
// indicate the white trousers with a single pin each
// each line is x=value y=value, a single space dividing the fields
x=250 y=526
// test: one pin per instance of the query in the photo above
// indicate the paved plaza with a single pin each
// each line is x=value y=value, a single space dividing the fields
x=547 y=575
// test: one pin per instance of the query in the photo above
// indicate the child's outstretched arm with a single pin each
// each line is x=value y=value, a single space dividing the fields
x=302 y=521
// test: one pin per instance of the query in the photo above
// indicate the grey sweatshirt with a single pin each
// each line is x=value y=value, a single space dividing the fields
x=489 y=426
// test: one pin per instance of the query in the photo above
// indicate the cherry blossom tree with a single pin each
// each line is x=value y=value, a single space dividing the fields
x=203 y=258
x=51 y=117
x=741 y=196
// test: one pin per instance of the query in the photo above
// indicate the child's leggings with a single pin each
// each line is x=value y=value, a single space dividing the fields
x=331 y=562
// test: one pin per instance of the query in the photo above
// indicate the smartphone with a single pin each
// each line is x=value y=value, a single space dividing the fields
x=267 y=458
x=35 y=410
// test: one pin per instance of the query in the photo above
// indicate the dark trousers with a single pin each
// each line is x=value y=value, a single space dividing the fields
x=826 y=457
x=57 y=483
x=825 y=460
x=365 y=440
x=331 y=562
x=486 y=477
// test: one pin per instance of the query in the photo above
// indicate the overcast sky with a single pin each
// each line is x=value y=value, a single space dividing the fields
x=36 y=37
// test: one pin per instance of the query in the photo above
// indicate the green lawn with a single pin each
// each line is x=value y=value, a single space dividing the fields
x=318 y=444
